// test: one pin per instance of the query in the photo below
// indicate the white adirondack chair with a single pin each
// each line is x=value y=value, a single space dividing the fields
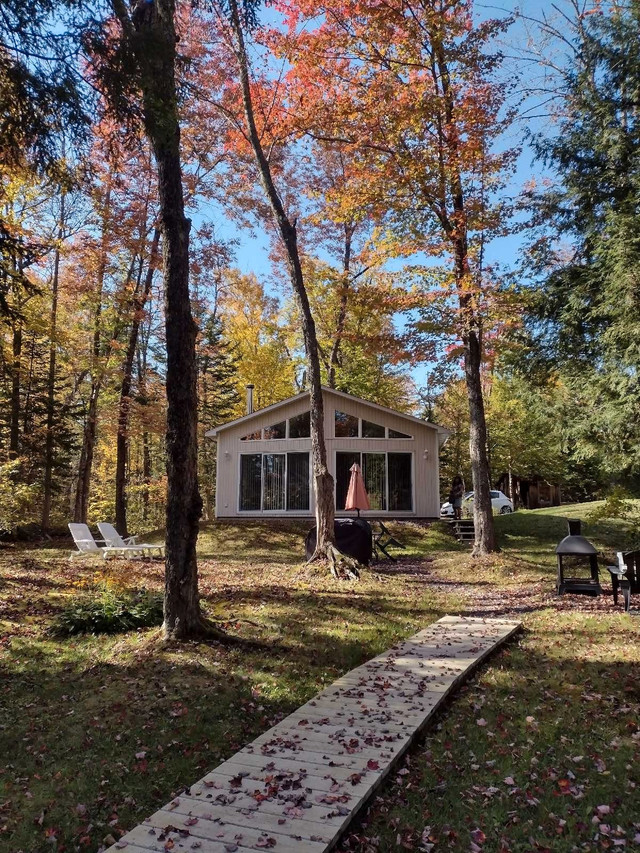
x=115 y=542
x=84 y=541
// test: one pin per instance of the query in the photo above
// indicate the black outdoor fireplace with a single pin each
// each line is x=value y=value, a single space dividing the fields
x=577 y=564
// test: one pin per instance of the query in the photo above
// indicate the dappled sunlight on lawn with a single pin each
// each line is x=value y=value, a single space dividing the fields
x=112 y=727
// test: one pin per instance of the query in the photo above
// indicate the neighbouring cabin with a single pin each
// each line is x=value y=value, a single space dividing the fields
x=264 y=459
x=530 y=493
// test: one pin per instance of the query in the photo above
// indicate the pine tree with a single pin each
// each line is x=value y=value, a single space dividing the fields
x=586 y=320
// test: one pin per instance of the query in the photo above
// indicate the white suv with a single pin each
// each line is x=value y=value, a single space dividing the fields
x=499 y=502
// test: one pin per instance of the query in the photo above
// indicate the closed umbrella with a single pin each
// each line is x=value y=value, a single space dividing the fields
x=357 y=497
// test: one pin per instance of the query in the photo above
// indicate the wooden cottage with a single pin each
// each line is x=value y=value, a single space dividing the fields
x=264 y=459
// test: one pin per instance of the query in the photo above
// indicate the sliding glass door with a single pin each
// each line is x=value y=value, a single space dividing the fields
x=387 y=479
x=274 y=482
x=297 y=482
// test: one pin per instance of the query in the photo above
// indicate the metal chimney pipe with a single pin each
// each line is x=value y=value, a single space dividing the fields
x=250 y=399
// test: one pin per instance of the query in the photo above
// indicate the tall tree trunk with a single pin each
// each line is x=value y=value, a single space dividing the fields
x=124 y=408
x=334 y=356
x=153 y=40
x=456 y=229
x=323 y=481
x=28 y=386
x=83 y=485
x=51 y=378
x=146 y=449
x=85 y=465
x=485 y=541
x=511 y=491
x=16 y=376
x=146 y=474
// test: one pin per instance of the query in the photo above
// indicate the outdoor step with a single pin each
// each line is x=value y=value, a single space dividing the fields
x=463 y=529
x=296 y=787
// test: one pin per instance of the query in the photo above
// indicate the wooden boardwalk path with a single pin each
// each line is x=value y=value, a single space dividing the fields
x=296 y=787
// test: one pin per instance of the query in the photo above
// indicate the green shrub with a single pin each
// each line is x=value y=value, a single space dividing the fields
x=106 y=610
x=620 y=506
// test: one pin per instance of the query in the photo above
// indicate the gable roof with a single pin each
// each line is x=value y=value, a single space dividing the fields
x=325 y=390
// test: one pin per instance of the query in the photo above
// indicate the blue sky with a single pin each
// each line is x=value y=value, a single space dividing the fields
x=519 y=45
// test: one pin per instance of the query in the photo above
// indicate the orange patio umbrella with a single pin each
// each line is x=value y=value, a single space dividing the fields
x=357 y=497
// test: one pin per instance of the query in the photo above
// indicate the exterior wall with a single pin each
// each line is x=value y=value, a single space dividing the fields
x=423 y=447
x=230 y=447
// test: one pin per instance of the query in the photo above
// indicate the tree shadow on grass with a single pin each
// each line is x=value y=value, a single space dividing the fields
x=282 y=541
x=568 y=713
x=125 y=735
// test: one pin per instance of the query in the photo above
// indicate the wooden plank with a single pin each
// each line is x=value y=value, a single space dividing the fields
x=296 y=787
x=287 y=804
x=230 y=834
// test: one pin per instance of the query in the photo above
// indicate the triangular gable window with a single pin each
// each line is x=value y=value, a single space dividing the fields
x=278 y=430
x=371 y=430
x=252 y=436
x=394 y=433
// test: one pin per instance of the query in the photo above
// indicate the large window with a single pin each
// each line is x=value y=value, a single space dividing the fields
x=271 y=482
x=399 y=480
x=387 y=479
x=250 y=481
x=297 y=482
x=273 y=479
x=300 y=425
x=346 y=425
x=344 y=461
x=375 y=479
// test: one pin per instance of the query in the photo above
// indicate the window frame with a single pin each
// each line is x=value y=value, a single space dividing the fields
x=273 y=512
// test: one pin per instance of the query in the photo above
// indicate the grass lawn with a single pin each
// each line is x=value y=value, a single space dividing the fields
x=541 y=751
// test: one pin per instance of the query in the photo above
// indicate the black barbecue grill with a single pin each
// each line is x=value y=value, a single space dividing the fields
x=577 y=564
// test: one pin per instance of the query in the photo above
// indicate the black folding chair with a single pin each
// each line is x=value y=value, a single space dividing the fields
x=383 y=539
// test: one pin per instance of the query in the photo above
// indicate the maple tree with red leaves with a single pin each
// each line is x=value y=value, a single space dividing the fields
x=424 y=165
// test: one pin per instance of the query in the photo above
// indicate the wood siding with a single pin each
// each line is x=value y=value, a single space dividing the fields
x=423 y=447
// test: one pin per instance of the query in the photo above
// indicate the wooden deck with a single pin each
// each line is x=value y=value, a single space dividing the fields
x=296 y=787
